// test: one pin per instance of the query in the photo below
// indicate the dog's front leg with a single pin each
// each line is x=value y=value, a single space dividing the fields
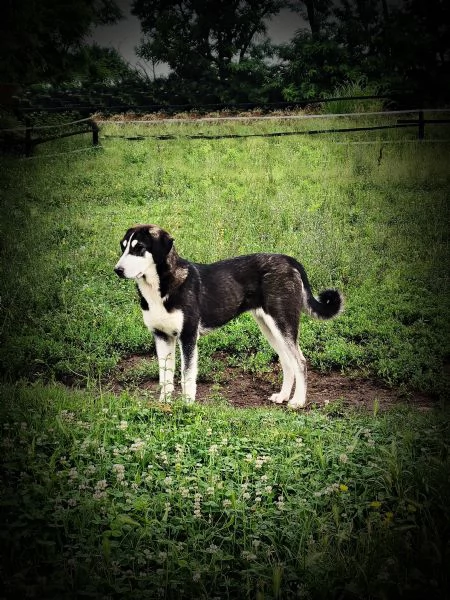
x=189 y=364
x=165 y=349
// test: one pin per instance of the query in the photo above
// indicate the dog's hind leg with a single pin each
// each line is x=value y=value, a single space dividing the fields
x=165 y=349
x=298 y=400
x=189 y=364
x=276 y=340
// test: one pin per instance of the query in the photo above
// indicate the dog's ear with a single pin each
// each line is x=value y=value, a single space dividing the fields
x=162 y=245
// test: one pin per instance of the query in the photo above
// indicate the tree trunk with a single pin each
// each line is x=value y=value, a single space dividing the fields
x=312 y=18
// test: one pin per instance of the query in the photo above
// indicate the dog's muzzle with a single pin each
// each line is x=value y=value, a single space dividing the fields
x=120 y=272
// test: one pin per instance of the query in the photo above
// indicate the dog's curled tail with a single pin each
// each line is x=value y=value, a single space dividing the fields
x=329 y=304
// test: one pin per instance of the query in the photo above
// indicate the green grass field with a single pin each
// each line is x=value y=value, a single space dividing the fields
x=115 y=496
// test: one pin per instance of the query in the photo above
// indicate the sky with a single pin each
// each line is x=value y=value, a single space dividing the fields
x=126 y=34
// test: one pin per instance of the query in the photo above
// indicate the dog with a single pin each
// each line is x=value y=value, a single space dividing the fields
x=181 y=300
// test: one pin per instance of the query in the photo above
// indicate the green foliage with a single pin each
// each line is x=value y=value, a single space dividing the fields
x=313 y=67
x=213 y=54
x=38 y=40
x=359 y=87
x=111 y=495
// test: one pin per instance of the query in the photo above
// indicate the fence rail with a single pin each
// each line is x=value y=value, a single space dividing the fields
x=79 y=127
x=417 y=118
x=419 y=122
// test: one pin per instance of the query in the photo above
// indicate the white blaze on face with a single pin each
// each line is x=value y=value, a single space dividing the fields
x=134 y=266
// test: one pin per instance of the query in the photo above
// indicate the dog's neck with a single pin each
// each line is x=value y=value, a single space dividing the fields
x=164 y=278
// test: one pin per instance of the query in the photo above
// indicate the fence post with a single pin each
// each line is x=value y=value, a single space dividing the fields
x=421 y=125
x=28 y=143
x=94 y=133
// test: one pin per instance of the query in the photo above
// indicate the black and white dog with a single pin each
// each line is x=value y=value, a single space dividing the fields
x=181 y=300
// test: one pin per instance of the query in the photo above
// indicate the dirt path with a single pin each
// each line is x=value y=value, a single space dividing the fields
x=242 y=389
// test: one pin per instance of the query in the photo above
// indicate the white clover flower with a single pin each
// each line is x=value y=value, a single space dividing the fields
x=73 y=473
x=196 y=576
x=85 y=445
x=137 y=445
x=343 y=458
x=99 y=495
x=122 y=425
x=213 y=449
x=164 y=458
x=261 y=460
x=119 y=470
x=67 y=416
x=197 y=502
x=280 y=503
x=226 y=503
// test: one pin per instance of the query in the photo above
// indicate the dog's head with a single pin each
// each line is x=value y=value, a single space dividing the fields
x=143 y=247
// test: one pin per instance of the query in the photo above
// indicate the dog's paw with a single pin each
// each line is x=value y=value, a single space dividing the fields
x=165 y=398
x=296 y=404
x=278 y=398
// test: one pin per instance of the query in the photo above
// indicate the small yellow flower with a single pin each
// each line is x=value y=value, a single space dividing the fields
x=376 y=504
x=343 y=487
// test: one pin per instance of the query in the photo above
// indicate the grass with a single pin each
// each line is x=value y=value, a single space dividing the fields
x=116 y=496
x=370 y=220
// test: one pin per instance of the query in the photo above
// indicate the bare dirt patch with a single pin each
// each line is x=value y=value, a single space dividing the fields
x=243 y=389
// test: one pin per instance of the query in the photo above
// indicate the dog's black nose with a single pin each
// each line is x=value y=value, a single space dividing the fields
x=120 y=272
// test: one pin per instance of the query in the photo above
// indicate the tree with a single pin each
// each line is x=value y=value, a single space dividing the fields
x=99 y=65
x=206 y=43
x=404 y=46
x=38 y=40
x=313 y=67
x=421 y=48
x=313 y=11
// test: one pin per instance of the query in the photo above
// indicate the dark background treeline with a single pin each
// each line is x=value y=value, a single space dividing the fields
x=217 y=52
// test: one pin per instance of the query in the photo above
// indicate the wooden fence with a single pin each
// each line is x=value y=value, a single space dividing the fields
x=76 y=128
x=31 y=135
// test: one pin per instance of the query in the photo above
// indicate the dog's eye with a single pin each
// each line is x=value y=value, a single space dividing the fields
x=139 y=248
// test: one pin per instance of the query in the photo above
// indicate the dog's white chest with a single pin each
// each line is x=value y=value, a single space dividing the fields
x=158 y=317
